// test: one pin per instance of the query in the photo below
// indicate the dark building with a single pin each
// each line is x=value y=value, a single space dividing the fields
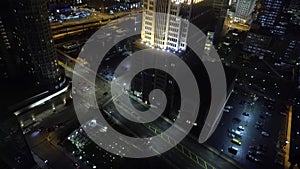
x=258 y=45
x=27 y=50
x=15 y=152
x=269 y=12
x=273 y=17
x=294 y=10
x=28 y=66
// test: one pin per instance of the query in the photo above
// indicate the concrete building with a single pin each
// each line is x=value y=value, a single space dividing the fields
x=167 y=32
x=243 y=11
x=294 y=9
x=269 y=13
x=27 y=49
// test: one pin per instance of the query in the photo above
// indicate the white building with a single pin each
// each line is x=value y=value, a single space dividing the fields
x=167 y=32
x=243 y=11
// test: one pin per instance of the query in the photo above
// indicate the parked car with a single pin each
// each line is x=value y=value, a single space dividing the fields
x=258 y=127
x=241 y=128
x=226 y=110
x=236 y=141
x=283 y=113
x=252 y=158
x=233 y=150
x=258 y=123
x=268 y=114
x=263 y=116
x=229 y=107
x=245 y=114
x=231 y=135
x=278 y=161
x=264 y=133
x=230 y=130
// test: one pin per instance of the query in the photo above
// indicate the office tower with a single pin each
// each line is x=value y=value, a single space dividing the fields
x=219 y=7
x=8 y=59
x=294 y=9
x=257 y=44
x=15 y=152
x=269 y=13
x=27 y=42
x=167 y=32
x=243 y=11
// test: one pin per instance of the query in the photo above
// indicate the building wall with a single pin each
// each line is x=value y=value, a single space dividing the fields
x=30 y=46
x=244 y=8
x=14 y=149
x=270 y=12
x=168 y=32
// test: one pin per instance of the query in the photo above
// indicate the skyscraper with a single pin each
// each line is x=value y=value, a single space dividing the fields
x=294 y=9
x=243 y=11
x=168 y=31
x=26 y=42
x=270 y=12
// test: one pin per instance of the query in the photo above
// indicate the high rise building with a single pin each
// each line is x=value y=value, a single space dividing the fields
x=294 y=9
x=66 y=2
x=26 y=42
x=219 y=7
x=243 y=11
x=168 y=31
x=270 y=12
x=15 y=152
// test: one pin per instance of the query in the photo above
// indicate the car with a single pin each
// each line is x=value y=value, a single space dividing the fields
x=238 y=133
x=59 y=125
x=230 y=130
x=76 y=165
x=264 y=133
x=251 y=152
x=278 y=161
x=226 y=110
x=263 y=116
x=262 y=147
x=241 y=128
x=268 y=114
x=41 y=129
x=283 y=113
x=258 y=127
x=50 y=129
x=105 y=93
x=252 y=158
x=258 y=123
x=270 y=107
x=229 y=107
x=233 y=150
x=231 y=135
x=236 y=141
x=259 y=153
x=245 y=114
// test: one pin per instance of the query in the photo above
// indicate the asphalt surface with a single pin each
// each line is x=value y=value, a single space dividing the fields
x=251 y=136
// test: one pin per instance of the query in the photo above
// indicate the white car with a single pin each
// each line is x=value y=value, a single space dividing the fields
x=239 y=133
x=226 y=110
x=229 y=107
x=264 y=133
x=241 y=128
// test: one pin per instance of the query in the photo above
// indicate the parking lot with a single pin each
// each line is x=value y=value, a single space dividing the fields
x=252 y=130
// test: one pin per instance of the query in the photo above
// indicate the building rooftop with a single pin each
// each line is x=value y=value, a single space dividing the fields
x=17 y=94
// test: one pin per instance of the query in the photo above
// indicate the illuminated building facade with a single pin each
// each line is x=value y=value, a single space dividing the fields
x=243 y=11
x=270 y=12
x=167 y=32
